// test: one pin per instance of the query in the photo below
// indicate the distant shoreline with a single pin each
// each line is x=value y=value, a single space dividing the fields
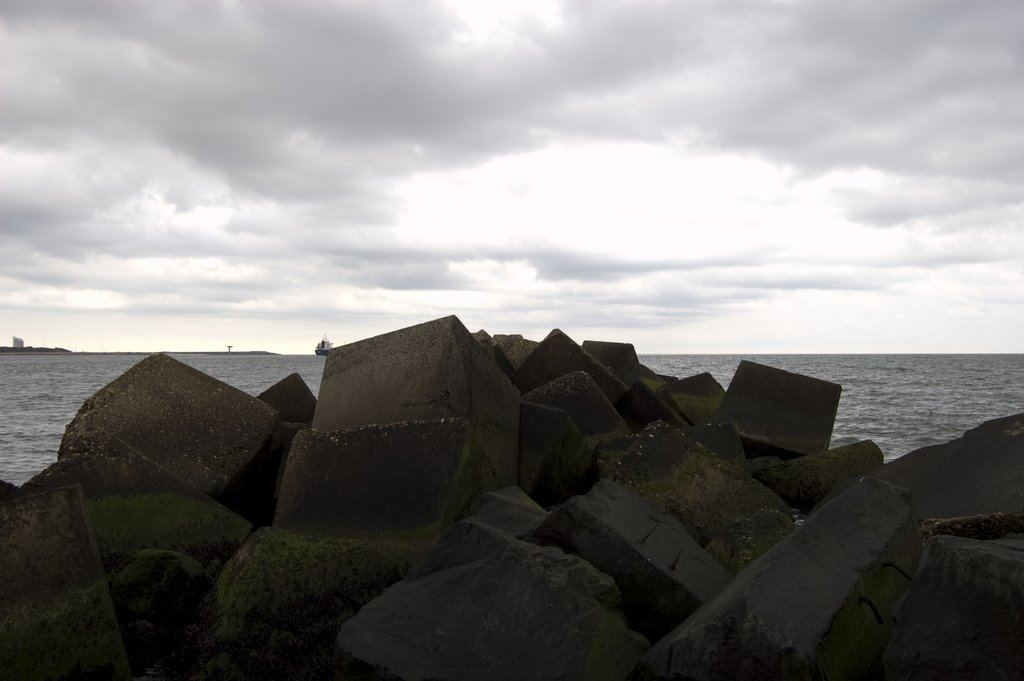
x=7 y=350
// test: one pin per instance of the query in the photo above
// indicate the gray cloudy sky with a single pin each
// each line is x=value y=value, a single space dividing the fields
x=690 y=176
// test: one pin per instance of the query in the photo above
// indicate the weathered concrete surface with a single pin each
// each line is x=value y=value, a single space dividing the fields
x=981 y=472
x=778 y=412
x=277 y=605
x=747 y=538
x=558 y=355
x=425 y=372
x=493 y=349
x=816 y=606
x=578 y=396
x=805 y=481
x=661 y=571
x=515 y=347
x=510 y=510
x=409 y=478
x=704 y=491
x=291 y=398
x=720 y=438
x=486 y=606
x=640 y=406
x=213 y=436
x=621 y=360
x=56 y=617
x=554 y=461
x=134 y=503
x=964 y=615
x=695 y=399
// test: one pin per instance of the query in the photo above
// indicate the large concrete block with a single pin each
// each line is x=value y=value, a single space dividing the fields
x=7 y=491
x=816 y=606
x=425 y=372
x=410 y=478
x=964 y=615
x=981 y=472
x=554 y=460
x=509 y=510
x=215 y=437
x=704 y=491
x=515 y=348
x=56 y=617
x=558 y=355
x=695 y=398
x=484 y=606
x=579 y=396
x=640 y=406
x=134 y=504
x=661 y=571
x=621 y=360
x=805 y=481
x=292 y=398
x=778 y=412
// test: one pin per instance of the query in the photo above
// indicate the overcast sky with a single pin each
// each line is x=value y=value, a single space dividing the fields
x=695 y=176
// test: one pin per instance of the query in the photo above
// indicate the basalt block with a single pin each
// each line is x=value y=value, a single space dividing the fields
x=702 y=490
x=483 y=605
x=430 y=371
x=56 y=617
x=134 y=503
x=661 y=571
x=410 y=479
x=215 y=437
x=278 y=603
x=805 y=481
x=640 y=406
x=964 y=615
x=816 y=606
x=579 y=396
x=558 y=355
x=292 y=398
x=778 y=412
x=696 y=398
x=554 y=461
x=510 y=510
x=981 y=472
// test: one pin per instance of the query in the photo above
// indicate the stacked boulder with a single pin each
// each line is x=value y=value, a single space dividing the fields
x=465 y=506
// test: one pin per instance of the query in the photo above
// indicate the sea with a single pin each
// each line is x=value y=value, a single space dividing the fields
x=902 y=402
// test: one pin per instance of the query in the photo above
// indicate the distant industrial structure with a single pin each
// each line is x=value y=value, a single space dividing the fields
x=18 y=343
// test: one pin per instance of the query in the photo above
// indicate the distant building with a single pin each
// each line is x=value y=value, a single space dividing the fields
x=18 y=343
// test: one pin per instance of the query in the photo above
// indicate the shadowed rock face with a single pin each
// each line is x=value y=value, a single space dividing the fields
x=509 y=510
x=215 y=437
x=981 y=472
x=292 y=398
x=779 y=413
x=425 y=372
x=485 y=606
x=56 y=617
x=413 y=477
x=661 y=571
x=816 y=606
x=695 y=399
x=554 y=461
x=805 y=481
x=964 y=615
x=558 y=355
x=578 y=395
x=134 y=504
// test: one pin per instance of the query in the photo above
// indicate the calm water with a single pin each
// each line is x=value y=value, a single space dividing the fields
x=902 y=402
